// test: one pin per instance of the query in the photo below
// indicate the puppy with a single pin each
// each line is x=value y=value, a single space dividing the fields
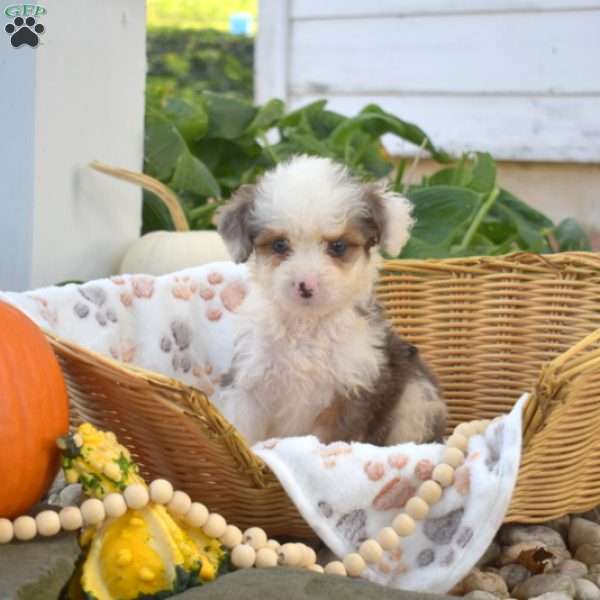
x=313 y=353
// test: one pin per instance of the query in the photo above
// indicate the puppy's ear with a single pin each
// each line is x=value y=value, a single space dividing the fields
x=391 y=215
x=234 y=223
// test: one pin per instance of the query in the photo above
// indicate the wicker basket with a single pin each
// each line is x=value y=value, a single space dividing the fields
x=491 y=328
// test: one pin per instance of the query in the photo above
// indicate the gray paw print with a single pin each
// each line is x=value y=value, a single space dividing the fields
x=178 y=341
x=97 y=297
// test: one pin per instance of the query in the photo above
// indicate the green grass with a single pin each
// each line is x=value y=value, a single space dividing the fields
x=196 y=14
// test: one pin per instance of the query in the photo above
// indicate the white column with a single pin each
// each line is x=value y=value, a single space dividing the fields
x=76 y=97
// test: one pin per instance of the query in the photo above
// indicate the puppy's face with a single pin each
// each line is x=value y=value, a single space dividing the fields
x=311 y=230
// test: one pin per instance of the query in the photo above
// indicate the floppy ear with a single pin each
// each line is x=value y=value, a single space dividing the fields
x=234 y=224
x=391 y=214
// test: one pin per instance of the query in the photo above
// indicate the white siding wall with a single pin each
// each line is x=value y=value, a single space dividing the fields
x=518 y=78
x=77 y=97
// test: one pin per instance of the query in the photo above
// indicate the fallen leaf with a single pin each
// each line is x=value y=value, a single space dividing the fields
x=535 y=560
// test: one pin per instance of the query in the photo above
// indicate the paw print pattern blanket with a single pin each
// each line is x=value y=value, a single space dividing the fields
x=182 y=326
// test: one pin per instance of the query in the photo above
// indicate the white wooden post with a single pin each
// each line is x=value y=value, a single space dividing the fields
x=76 y=97
x=271 y=51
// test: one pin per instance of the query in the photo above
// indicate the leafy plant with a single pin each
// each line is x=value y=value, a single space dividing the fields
x=183 y=63
x=206 y=149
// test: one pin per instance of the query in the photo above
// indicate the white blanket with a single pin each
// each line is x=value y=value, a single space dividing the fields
x=182 y=325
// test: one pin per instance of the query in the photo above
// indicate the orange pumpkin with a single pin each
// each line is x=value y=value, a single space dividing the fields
x=33 y=412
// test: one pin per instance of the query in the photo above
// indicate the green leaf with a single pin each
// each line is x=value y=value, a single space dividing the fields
x=155 y=215
x=483 y=173
x=442 y=215
x=292 y=119
x=192 y=175
x=163 y=145
x=228 y=117
x=190 y=119
x=376 y=122
x=478 y=174
x=571 y=237
x=531 y=225
x=267 y=116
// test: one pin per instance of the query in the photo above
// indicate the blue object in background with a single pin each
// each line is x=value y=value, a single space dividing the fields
x=240 y=23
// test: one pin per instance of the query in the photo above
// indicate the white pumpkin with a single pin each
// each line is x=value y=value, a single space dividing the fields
x=161 y=252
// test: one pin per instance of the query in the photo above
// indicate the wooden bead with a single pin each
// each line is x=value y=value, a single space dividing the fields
x=453 y=457
x=404 y=525
x=388 y=539
x=273 y=544
x=417 y=508
x=136 y=496
x=335 y=567
x=482 y=425
x=485 y=424
x=25 y=528
x=114 y=505
x=468 y=429
x=354 y=564
x=255 y=537
x=371 y=551
x=266 y=558
x=309 y=556
x=458 y=441
x=47 y=523
x=197 y=515
x=161 y=491
x=430 y=491
x=7 y=531
x=180 y=503
x=232 y=536
x=215 y=526
x=70 y=518
x=289 y=555
x=443 y=474
x=92 y=511
x=316 y=568
x=243 y=556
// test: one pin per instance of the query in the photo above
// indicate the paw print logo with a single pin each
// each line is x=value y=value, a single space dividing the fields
x=24 y=31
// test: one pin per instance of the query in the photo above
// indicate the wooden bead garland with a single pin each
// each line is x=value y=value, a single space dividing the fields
x=255 y=537
x=243 y=556
x=180 y=503
x=371 y=551
x=252 y=548
x=215 y=526
x=266 y=558
x=114 y=505
x=197 y=515
x=47 y=523
x=354 y=564
x=92 y=511
x=6 y=531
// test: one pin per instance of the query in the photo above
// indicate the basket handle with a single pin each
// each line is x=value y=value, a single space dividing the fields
x=583 y=356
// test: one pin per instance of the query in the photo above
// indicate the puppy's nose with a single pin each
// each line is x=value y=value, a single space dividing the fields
x=305 y=289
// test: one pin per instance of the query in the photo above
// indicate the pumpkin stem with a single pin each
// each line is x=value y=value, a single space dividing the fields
x=167 y=196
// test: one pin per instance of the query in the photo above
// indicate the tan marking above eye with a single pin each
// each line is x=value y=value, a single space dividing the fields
x=267 y=236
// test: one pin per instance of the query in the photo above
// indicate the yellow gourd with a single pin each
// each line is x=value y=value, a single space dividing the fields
x=146 y=552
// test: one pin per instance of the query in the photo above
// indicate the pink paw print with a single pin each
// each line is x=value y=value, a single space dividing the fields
x=143 y=287
x=184 y=288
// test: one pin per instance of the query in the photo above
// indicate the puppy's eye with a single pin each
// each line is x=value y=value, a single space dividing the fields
x=337 y=248
x=280 y=246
